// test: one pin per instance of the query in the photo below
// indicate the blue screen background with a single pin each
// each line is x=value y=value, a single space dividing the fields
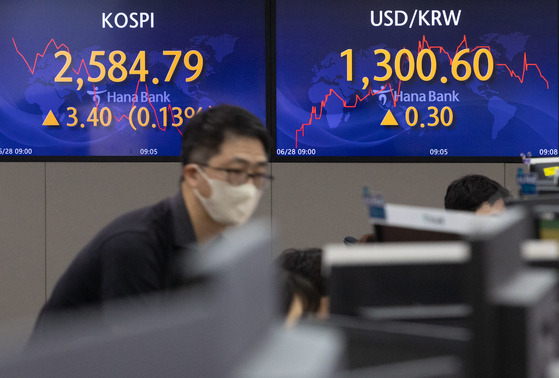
x=229 y=35
x=502 y=117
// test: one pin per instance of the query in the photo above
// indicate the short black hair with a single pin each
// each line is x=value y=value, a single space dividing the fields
x=292 y=284
x=471 y=191
x=306 y=263
x=207 y=130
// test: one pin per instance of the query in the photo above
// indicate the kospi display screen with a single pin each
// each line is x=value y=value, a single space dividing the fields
x=112 y=79
x=412 y=80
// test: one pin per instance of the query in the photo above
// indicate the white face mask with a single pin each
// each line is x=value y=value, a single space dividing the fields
x=228 y=204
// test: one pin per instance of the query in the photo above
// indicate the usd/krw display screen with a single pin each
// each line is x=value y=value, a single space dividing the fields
x=102 y=79
x=413 y=80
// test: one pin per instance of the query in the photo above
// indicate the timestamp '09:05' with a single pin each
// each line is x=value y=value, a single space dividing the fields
x=438 y=152
x=148 y=151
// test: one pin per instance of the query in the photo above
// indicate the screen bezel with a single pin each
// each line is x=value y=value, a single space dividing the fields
x=272 y=124
x=266 y=118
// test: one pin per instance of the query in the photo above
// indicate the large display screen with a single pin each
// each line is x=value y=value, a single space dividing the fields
x=113 y=79
x=412 y=80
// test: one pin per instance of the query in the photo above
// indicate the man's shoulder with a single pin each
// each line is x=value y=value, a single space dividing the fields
x=146 y=223
x=142 y=219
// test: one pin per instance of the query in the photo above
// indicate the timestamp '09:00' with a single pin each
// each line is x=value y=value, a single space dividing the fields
x=16 y=151
x=296 y=152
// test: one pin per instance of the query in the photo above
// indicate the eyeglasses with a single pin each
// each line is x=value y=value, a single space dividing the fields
x=238 y=177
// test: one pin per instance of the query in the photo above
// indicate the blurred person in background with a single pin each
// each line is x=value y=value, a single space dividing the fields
x=476 y=193
x=305 y=286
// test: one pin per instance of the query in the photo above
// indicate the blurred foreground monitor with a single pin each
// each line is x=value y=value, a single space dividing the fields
x=503 y=312
x=225 y=324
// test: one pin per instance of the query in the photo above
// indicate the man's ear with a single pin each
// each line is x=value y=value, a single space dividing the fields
x=191 y=175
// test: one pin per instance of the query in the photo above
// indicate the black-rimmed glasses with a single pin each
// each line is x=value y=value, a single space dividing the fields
x=238 y=177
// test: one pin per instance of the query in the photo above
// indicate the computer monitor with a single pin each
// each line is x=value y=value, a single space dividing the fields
x=547 y=219
x=536 y=205
x=383 y=349
x=527 y=235
x=430 y=276
x=544 y=251
x=399 y=303
x=225 y=326
x=530 y=202
x=405 y=223
x=509 y=307
x=113 y=80
x=404 y=281
x=545 y=167
x=387 y=233
x=513 y=306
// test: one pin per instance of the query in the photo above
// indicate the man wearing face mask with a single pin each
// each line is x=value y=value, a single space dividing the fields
x=225 y=160
x=223 y=174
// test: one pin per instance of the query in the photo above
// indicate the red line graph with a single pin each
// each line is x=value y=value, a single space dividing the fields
x=358 y=99
x=425 y=44
x=422 y=44
x=525 y=66
x=39 y=55
x=77 y=72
